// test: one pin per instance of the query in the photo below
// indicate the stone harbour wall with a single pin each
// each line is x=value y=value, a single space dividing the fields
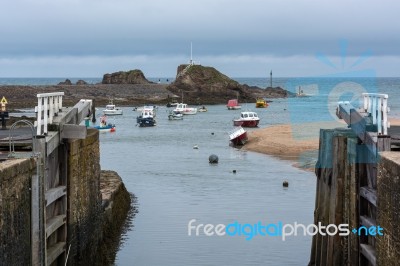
x=388 y=215
x=15 y=211
x=84 y=201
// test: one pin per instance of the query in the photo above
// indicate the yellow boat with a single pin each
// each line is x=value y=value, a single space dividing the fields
x=261 y=103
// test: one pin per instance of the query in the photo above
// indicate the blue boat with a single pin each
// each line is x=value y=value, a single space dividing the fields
x=104 y=126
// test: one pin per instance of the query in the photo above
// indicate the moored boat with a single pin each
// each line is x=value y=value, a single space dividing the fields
x=202 y=109
x=238 y=136
x=247 y=119
x=146 y=118
x=104 y=126
x=111 y=109
x=184 y=109
x=233 y=104
x=174 y=115
x=261 y=103
x=172 y=104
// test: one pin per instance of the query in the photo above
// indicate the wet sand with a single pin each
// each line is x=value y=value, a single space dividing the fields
x=295 y=142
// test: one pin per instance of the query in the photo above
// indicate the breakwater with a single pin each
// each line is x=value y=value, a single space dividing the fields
x=56 y=205
x=357 y=189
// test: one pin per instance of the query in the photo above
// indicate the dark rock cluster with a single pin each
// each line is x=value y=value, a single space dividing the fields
x=125 y=77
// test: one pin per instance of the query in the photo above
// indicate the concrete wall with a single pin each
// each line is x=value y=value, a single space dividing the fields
x=84 y=201
x=388 y=215
x=15 y=211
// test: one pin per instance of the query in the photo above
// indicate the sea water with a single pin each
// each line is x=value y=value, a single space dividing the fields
x=174 y=183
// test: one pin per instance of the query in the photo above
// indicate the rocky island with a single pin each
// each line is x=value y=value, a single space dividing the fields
x=197 y=84
x=206 y=85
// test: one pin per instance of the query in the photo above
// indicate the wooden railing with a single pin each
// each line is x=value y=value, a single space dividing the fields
x=376 y=106
x=49 y=105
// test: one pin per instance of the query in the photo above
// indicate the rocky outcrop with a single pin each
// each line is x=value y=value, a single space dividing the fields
x=125 y=77
x=199 y=84
x=81 y=82
x=66 y=82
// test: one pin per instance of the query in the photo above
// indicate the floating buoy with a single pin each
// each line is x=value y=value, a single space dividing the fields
x=212 y=133
x=234 y=171
x=213 y=158
x=285 y=183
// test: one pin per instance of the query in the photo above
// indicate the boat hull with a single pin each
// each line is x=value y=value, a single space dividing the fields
x=238 y=137
x=116 y=112
x=238 y=107
x=175 y=117
x=107 y=128
x=246 y=123
x=146 y=122
x=189 y=111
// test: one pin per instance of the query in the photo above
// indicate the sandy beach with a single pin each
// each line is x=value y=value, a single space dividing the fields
x=295 y=142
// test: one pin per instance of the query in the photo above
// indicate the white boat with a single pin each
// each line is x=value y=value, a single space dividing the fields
x=146 y=118
x=173 y=115
x=202 y=109
x=184 y=109
x=153 y=109
x=112 y=110
x=247 y=119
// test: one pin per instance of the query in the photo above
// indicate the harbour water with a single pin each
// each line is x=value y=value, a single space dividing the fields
x=174 y=183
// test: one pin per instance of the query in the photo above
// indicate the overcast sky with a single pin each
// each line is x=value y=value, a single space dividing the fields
x=241 y=38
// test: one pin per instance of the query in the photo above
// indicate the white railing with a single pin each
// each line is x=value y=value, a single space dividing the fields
x=375 y=104
x=49 y=104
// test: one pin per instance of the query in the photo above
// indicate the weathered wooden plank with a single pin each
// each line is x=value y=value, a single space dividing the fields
x=358 y=124
x=334 y=247
x=54 y=223
x=52 y=141
x=353 y=243
x=367 y=221
x=54 y=194
x=369 y=194
x=54 y=251
x=384 y=143
x=343 y=111
x=70 y=131
x=369 y=253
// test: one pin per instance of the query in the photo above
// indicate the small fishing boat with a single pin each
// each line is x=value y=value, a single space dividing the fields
x=172 y=104
x=233 y=104
x=111 y=109
x=146 y=118
x=184 y=109
x=174 y=115
x=247 y=119
x=261 y=103
x=104 y=126
x=238 y=136
x=202 y=109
